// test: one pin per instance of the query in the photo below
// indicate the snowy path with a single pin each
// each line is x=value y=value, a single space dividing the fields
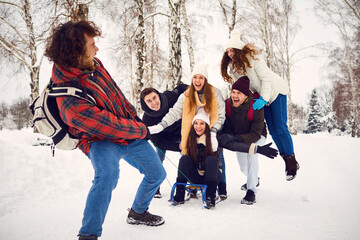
x=43 y=197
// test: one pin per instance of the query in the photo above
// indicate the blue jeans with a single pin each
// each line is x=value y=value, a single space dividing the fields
x=161 y=154
x=276 y=120
x=222 y=160
x=105 y=157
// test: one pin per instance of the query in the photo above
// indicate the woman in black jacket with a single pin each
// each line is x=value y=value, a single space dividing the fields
x=200 y=165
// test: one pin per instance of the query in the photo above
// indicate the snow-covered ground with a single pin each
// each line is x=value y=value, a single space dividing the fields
x=42 y=197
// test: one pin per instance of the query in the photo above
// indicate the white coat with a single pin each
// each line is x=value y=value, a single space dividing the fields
x=263 y=80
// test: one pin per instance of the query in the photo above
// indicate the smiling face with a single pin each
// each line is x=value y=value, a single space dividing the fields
x=152 y=100
x=199 y=126
x=230 y=52
x=198 y=81
x=237 y=97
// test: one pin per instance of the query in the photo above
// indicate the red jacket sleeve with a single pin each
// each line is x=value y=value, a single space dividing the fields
x=92 y=120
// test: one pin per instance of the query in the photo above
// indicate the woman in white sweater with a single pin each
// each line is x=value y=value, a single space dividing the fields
x=244 y=59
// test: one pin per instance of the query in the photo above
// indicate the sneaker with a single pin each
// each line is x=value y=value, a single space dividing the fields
x=222 y=191
x=92 y=237
x=144 y=218
x=210 y=202
x=249 y=198
x=158 y=194
x=244 y=187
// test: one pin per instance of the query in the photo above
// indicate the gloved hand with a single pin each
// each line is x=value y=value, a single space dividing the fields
x=156 y=129
x=259 y=103
x=224 y=139
x=214 y=141
x=147 y=137
x=138 y=119
x=267 y=151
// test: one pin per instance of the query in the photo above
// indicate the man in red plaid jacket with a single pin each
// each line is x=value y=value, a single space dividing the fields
x=108 y=131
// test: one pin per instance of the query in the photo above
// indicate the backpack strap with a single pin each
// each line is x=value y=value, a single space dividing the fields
x=57 y=91
x=228 y=108
x=250 y=113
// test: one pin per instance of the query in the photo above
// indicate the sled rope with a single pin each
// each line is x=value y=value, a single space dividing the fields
x=172 y=164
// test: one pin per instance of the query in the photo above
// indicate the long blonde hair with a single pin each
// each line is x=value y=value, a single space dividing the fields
x=207 y=96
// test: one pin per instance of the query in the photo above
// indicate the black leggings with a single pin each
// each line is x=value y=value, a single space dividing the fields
x=187 y=167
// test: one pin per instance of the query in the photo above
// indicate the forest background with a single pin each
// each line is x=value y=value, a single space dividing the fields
x=314 y=45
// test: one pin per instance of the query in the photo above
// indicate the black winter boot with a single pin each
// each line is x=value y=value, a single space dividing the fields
x=249 y=198
x=222 y=190
x=291 y=166
x=92 y=237
x=210 y=193
x=179 y=197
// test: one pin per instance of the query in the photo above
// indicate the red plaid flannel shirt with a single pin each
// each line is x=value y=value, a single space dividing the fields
x=112 y=118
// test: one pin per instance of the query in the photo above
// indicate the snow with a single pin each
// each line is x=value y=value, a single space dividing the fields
x=43 y=197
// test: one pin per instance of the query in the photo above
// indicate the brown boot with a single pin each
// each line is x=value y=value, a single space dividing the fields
x=291 y=166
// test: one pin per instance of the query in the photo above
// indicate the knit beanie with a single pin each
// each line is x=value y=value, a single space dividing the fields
x=242 y=85
x=235 y=41
x=202 y=115
x=200 y=69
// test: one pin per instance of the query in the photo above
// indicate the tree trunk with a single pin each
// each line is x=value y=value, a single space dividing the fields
x=188 y=36
x=140 y=42
x=175 y=44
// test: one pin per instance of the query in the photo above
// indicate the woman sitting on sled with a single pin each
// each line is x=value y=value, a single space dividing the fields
x=200 y=165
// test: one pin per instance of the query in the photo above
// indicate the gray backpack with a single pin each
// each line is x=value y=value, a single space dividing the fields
x=46 y=115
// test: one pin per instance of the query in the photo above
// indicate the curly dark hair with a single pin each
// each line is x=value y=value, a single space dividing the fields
x=241 y=60
x=67 y=45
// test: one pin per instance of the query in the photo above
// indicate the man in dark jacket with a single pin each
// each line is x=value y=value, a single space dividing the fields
x=108 y=131
x=156 y=105
x=244 y=131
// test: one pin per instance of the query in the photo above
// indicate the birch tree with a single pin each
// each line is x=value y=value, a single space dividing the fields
x=175 y=63
x=20 y=39
x=232 y=11
x=188 y=37
x=140 y=51
x=344 y=14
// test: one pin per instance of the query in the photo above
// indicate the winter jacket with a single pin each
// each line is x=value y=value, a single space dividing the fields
x=176 y=112
x=170 y=137
x=239 y=125
x=263 y=80
x=111 y=119
x=200 y=163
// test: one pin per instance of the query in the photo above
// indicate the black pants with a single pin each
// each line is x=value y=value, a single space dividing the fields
x=188 y=168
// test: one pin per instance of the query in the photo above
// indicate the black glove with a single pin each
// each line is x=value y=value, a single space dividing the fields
x=225 y=139
x=148 y=135
x=267 y=151
x=138 y=119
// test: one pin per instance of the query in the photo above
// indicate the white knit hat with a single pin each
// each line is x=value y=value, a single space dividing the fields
x=202 y=115
x=235 y=41
x=200 y=69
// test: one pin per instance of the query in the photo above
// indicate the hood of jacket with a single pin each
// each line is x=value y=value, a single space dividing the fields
x=163 y=106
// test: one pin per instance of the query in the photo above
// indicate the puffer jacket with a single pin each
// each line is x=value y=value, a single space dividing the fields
x=111 y=119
